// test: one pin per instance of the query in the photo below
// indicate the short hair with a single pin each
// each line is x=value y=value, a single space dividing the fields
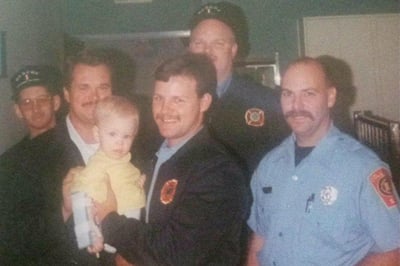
x=116 y=105
x=196 y=66
x=88 y=56
x=310 y=60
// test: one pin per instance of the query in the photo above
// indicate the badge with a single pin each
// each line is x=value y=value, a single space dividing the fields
x=168 y=191
x=382 y=182
x=255 y=117
x=328 y=195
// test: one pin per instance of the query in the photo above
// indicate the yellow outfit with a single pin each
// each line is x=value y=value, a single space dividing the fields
x=124 y=180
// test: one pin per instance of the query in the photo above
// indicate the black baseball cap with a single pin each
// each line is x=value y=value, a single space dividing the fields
x=36 y=75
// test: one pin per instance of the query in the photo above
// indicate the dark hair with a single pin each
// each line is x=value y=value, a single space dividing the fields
x=88 y=56
x=196 y=66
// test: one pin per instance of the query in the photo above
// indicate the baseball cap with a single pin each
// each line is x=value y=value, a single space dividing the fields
x=36 y=75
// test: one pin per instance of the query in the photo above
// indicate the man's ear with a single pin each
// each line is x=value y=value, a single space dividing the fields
x=56 y=102
x=331 y=96
x=66 y=94
x=17 y=111
x=96 y=133
x=206 y=101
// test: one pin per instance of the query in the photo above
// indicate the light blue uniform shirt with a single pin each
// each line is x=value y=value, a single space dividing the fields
x=325 y=211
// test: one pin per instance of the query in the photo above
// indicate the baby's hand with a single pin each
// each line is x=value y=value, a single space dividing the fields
x=97 y=242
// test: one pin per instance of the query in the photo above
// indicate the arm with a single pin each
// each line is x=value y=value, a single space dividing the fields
x=390 y=258
x=66 y=207
x=255 y=245
x=204 y=211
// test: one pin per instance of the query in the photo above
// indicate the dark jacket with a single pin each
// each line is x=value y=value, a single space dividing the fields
x=30 y=204
x=69 y=157
x=197 y=221
x=236 y=120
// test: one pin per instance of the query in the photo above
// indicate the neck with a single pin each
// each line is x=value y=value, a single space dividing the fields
x=311 y=141
x=35 y=133
x=85 y=130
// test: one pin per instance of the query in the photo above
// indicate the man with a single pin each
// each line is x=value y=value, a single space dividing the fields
x=196 y=197
x=27 y=189
x=321 y=198
x=90 y=76
x=246 y=116
x=88 y=80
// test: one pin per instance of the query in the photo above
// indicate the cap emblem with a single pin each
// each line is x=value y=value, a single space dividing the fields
x=209 y=9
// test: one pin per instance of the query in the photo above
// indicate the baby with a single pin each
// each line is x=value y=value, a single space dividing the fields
x=116 y=125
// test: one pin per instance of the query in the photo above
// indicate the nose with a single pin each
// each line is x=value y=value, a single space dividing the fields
x=297 y=103
x=165 y=107
x=35 y=106
x=93 y=95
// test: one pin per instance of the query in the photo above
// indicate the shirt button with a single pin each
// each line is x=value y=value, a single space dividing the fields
x=295 y=177
x=280 y=234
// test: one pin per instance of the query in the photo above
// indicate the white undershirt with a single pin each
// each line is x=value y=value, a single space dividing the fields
x=86 y=150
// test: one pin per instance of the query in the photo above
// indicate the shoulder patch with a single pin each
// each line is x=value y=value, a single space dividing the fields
x=381 y=180
x=255 y=117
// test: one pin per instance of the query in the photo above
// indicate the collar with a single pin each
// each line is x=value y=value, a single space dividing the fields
x=223 y=86
x=84 y=148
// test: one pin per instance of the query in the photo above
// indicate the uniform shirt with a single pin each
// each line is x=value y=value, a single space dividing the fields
x=247 y=119
x=334 y=208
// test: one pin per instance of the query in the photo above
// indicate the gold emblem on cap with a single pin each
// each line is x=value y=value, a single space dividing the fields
x=255 y=117
x=209 y=9
x=168 y=191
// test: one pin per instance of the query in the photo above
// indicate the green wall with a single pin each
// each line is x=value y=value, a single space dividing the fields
x=273 y=23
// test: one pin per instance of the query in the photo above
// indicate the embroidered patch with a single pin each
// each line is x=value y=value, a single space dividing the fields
x=328 y=195
x=168 y=191
x=382 y=183
x=255 y=117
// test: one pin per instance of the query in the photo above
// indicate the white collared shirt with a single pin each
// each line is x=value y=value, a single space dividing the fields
x=86 y=150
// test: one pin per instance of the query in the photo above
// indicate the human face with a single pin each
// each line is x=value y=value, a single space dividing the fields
x=115 y=134
x=215 y=39
x=306 y=101
x=89 y=85
x=37 y=108
x=177 y=108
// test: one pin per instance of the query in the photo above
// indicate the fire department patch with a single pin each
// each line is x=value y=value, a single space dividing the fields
x=382 y=183
x=168 y=191
x=255 y=117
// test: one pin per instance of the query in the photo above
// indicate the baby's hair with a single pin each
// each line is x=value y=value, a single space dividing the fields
x=115 y=105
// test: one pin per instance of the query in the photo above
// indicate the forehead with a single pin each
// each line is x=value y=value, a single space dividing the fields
x=83 y=71
x=211 y=27
x=33 y=91
x=304 y=75
x=119 y=121
x=176 y=86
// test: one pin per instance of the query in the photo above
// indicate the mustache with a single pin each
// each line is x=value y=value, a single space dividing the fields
x=295 y=114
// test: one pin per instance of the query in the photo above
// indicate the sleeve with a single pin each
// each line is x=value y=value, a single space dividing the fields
x=210 y=209
x=380 y=210
x=253 y=221
x=128 y=193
